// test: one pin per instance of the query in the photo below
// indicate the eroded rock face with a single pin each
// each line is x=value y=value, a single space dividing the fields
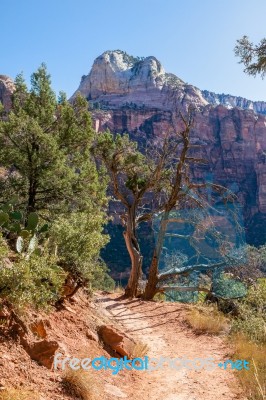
x=39 y=328
x=92 y=335
x=43 y=352
x=6 y=89
x=118 y=80
x=230 y=101
x=117 y=340
x=137 y=96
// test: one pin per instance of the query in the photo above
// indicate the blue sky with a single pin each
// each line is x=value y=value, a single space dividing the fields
x=193 y=39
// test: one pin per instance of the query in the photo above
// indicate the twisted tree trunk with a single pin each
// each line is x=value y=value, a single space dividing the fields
x=135 y=255
x=151 y=288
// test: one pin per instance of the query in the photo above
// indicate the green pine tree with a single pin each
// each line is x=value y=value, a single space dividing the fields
x=45 y=147
x=47 y=167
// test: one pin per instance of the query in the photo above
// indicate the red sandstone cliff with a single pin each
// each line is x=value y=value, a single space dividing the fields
x=138 y=96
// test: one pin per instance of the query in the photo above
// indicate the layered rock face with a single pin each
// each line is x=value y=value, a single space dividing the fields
x=118 y=80
x=136 y=95
x=234 y=101
x=6 y=89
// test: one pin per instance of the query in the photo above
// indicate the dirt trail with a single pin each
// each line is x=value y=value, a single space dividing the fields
x=161 y=326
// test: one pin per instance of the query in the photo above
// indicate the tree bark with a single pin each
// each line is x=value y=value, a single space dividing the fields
x=151 y=286
x=135 y=256
x=31 y=197
x=32 y=186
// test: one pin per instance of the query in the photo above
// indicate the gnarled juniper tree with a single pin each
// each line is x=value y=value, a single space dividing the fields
x=154 y=181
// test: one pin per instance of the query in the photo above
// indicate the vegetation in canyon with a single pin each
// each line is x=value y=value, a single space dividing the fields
x=55 y=171
x=53 y=198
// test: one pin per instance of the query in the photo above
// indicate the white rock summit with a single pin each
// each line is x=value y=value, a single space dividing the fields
x=119 y=79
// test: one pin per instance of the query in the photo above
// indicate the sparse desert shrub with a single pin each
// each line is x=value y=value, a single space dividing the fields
x=202 y=297
x=160 y=297
x=207 y=320
x=256 y=297
x=253 y=381
x=251 y=320
x=78 y=240
x=253 y=326
x=18 y=394
x=80 y=383
x=36 y=281
x=227 y=287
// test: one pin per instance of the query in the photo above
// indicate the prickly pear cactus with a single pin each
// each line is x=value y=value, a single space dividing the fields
x=26 y=228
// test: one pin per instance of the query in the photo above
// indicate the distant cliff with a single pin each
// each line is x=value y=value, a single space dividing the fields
x=6 y=89
x=117 y=80
x=230 y=101
x=137 y=95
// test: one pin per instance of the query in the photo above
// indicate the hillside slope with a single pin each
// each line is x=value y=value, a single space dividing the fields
x=159 y=325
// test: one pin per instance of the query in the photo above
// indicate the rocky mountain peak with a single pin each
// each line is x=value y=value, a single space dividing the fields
x=120 y=61
x=117 y=78
x=117 y=61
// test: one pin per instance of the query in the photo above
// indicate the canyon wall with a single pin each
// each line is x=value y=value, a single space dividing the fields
x=136 y=95
x=6 y=90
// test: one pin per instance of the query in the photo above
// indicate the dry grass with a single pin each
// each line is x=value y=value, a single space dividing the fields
x=254 y=380
x=18 y=394
x=80 y=383
x=140 y=350
x=119 y=288
x=207 y=320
